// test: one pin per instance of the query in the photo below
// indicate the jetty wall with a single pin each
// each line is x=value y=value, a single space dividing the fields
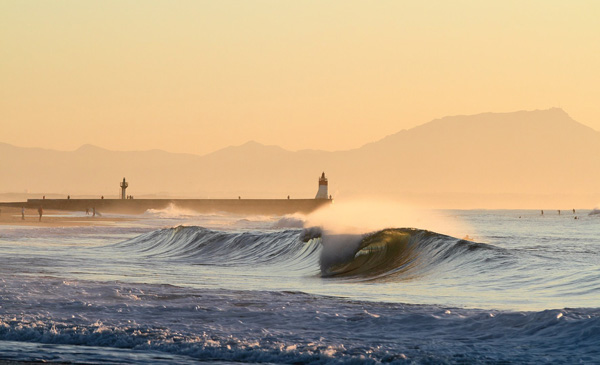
x=138 y=206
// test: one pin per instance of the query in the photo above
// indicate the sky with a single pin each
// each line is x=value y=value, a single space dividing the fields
x=197 y=76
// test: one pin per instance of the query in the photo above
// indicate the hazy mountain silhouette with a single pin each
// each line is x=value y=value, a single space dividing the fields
x=479 y=159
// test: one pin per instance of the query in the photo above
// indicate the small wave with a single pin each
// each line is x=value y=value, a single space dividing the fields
x=289 y=222
x=171 y=211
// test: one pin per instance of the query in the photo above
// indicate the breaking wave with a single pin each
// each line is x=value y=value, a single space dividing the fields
x=399 y=254
x=202 y=246
x=389 y=254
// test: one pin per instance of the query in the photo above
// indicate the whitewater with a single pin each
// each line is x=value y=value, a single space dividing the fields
x=482 y=286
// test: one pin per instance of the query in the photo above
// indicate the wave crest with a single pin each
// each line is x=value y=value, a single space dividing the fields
x=396 y=254
x=387 y=255
x=202 y=246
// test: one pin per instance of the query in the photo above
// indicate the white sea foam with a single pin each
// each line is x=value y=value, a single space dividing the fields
x=171 y=211
x=280 y=327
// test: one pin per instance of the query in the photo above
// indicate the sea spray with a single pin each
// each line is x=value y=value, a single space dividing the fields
x=171 y=211
x=338 y=249
x=364 y=216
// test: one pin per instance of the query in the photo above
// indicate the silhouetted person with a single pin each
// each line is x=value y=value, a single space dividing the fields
x=44 y=197
x=288 y=197
x=542 y=212
x=22 y=213
x=102 y=197
x=40 y=212
x=68 y=197
x=573 y=210
x=239 y=197
x=559 y=212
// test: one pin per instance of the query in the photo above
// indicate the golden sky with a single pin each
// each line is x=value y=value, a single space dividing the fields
x=195 y=76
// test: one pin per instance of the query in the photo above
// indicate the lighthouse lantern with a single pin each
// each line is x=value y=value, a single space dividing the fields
x=322 y=192
x=124 y=186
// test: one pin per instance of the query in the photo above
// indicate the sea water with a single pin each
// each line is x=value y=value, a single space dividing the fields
x=177 y=287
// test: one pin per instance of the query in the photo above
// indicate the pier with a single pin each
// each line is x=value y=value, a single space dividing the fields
x=128 y=205
x=139 y=206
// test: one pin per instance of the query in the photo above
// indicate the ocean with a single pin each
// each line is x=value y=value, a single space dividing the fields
x=380 y=285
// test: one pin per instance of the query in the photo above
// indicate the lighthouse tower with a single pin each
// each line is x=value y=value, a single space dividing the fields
x=322 y=193
x=124 y=186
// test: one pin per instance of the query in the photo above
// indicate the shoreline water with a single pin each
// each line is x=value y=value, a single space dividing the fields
x=57 y=218
x=174 y=286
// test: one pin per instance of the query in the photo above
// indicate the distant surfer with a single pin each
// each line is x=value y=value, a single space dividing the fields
x=40 y=212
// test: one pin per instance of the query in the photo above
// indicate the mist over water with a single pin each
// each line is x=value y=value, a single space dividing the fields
x=354 y=282
x=363 y=216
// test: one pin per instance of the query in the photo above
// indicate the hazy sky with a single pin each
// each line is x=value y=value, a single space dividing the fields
x=195 y=76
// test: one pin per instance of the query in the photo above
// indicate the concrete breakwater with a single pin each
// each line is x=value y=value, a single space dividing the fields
x=138 y=206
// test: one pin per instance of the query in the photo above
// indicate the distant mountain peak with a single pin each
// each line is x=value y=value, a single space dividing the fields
x=89 y=147
x=557 y=109
x=554 y=111
x=249 y=147
x=256 y=145
x=251 y=143
x=554 y=118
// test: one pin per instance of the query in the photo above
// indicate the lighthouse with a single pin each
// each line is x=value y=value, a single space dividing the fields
x=124 y=186
x=322 y=193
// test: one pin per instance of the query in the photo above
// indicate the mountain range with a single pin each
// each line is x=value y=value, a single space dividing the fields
x=540 y=158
